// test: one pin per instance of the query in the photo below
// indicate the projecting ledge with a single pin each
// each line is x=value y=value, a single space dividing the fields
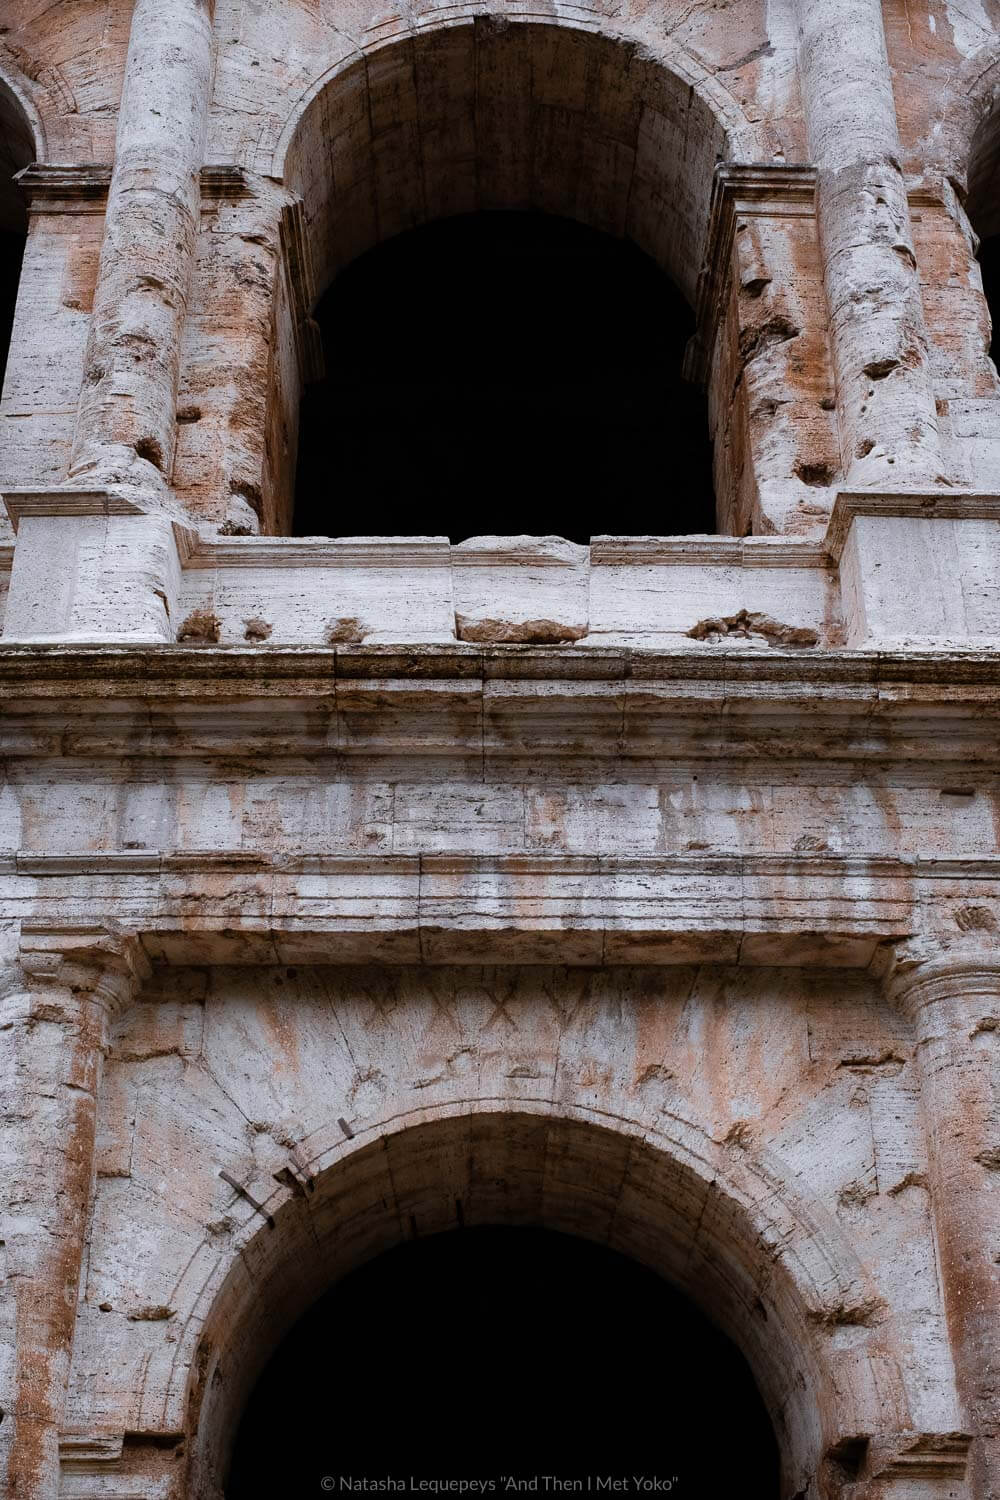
x=918 y=568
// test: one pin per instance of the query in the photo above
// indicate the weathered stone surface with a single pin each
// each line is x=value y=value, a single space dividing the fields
x=648 y=890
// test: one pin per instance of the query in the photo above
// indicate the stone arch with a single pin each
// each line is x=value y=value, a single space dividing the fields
x=481 y=112
x=962 y=127
x=976 y=139
x=20 y=119
x=769 y=1267
x=546 y=113
x=21 y=142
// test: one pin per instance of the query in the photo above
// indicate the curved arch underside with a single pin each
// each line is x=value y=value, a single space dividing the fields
x=17 y=150
x=491 y=115
x=574 y=1176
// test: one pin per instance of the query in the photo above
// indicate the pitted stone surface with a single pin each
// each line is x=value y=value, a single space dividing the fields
x=647 y=890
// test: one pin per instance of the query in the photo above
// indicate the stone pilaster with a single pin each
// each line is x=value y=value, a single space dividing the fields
x=57 y=1001
x=127 y=418
x=951 y=995
x=885 y=401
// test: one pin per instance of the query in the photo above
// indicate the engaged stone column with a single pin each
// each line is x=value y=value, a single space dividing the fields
x=885 y=401
x=126 y=423
x=952 y=998
x=55 y=1009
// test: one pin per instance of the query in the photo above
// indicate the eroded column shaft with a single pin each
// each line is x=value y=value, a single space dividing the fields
x=954 y=1006
x=885 y=400
x=128 y=402
x=54 y=1021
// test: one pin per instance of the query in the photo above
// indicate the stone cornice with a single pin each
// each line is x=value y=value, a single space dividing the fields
x=944 y=505
x=708 y=551
x=261 y=669
x=77 y=188
x=432 y=552
x=66 y=502
x=314 y=552
x=498 y=706
x=696 y=907
x=82 y=187
x=779 y=866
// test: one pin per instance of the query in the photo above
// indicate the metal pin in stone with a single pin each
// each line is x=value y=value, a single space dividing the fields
x=238 y=1187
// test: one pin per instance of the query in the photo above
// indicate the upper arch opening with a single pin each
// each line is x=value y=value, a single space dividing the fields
x=492 y=115
x=507 y=373
x=17 y=150
x=983 y=208
x=497 y=114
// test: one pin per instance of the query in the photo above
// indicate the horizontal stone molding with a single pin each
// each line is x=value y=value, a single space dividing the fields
x=944 y=505
x=68 y=502
x=249 y=907
x=315 y=552
x=791 y=866
x=708 y=551
x=496 y=710
x=80 y=187
x=58 y=666
x=201 y=552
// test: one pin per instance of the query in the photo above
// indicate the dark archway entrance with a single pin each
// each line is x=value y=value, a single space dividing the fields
x=16 y=151
x=494 y=1352
x=504 y=373
x=983 y=207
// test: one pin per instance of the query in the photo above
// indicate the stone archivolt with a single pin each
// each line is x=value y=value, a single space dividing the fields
x=672 y=858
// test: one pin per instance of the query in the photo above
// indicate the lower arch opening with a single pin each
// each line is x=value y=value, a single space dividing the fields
x=527 y=1359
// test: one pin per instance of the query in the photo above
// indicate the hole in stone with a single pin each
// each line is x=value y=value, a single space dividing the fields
x=149 y=449
x=496 y=1351
x=848 y=1457
x=818 y=474
x=504 y=373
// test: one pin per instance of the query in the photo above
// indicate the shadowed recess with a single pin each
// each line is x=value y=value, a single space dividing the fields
x=492 y=1352
x=16 y=151
x=504 y=373
x=989 y=265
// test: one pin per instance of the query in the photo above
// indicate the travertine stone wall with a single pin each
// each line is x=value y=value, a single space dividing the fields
x=648 y=890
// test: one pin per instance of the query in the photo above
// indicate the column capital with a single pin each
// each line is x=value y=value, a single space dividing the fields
x=98 y=961
x=923 y=969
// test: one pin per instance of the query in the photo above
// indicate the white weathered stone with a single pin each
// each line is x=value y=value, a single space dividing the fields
x=647 y=891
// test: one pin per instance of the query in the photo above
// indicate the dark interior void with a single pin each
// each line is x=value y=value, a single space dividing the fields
x=16 y=151
x=506 y=1352
x=504 y=373
x=11 y=254
x=989 y=265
